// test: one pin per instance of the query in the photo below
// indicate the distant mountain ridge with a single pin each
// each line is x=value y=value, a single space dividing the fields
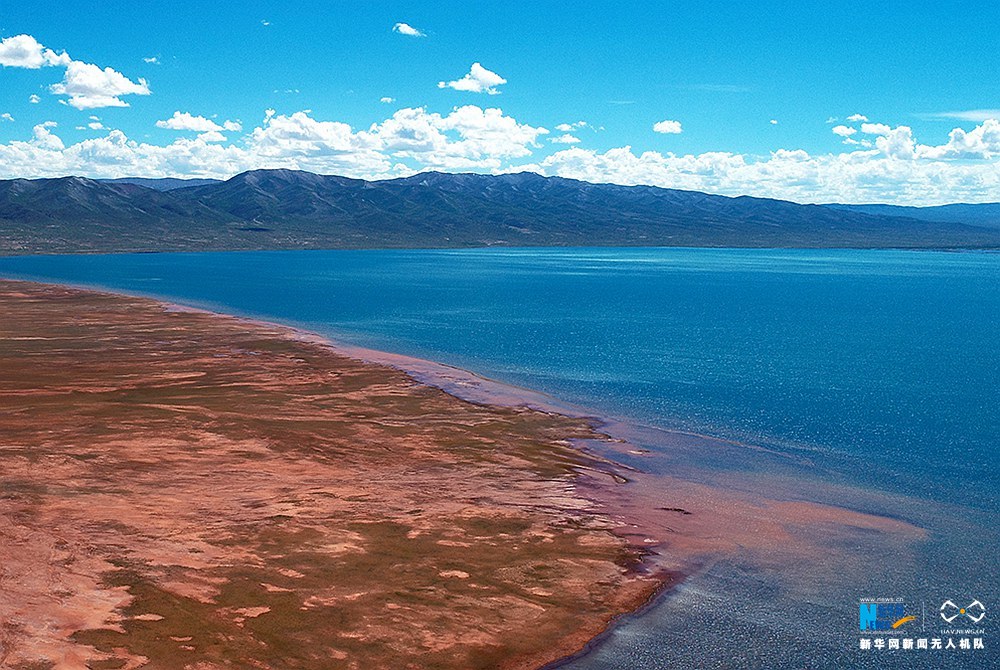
x=984 y=215
x=163 y=184
x=286 y=209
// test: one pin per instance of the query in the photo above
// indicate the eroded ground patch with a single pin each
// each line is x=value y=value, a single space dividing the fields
x=184 y=490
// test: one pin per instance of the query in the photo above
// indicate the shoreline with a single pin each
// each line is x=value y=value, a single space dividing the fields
x=640 y=578
x=671 y=541
x=454 y=380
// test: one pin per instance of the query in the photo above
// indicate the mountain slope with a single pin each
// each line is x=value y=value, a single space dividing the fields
x=984 y=215
x=165 y=184
x=74 y=214
x=284 y=209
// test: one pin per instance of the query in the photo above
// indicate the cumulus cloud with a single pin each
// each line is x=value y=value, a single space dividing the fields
x=478 y=80
x=981 y=142
x=846 y=133
x=45 y=139
x=565 y=139
x=90 y=87
x=875 y=129
x=570 y=127
x=897 y=143
x=773 y=122
x=860 y=176
x=26 y=52
x=300 y=136
x=387 y=100
x=468 y=138
x=34 y=99
x=200 y=124
x=408 y=30
x=6 y=116
x=86 y=85
x=667 y=127
x=854 y=118
x=151 y=60
x=895 y=168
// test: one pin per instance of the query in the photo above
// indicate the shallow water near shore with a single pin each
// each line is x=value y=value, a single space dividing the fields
x=861 y=379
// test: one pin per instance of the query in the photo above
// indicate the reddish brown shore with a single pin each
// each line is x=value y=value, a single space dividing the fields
x=181 y=489
x=186 y=490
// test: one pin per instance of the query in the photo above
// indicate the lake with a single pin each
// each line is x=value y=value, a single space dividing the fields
x=873 y=371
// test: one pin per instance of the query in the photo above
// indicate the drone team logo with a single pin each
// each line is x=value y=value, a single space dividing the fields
x=975 y=611
x=884 y=627
x=883 y=615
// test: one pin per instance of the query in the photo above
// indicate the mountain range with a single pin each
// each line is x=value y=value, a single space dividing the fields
x=286 y=209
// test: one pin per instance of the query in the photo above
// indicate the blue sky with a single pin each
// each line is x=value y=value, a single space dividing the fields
x=751 y=93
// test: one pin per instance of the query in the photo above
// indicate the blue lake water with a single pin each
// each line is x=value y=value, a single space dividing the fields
x=877 y=369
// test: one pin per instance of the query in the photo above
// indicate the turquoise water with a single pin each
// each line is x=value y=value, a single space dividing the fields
x=871 y=369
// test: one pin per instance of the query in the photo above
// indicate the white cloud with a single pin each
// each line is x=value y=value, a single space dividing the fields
x=43 y=138
x=854 y=118
x=6 y=116
x=565 y=139
x=34 y=99
x=152 y=60
x=864 y=142
x=95 y=125
x=26 y=52
x=408 y=30
x=387 y=100
x=875 y=129
x=265 y=23
x=981 y=142
x=478 y=80
x=844 y=131
x=212 y=136
x=667 y=127
x=87 y=85
x=831 y=119
x=299 y=134
x=199 y=124
x=977 y=115
x=862 y=176
x=90 y=87
x=897 y=143
x=570 y=127
x=773 y=122
x=467 y=138
x=896 y=168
